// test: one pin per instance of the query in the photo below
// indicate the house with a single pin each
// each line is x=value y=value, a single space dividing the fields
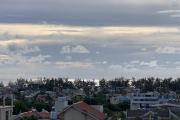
x=162 y=111
x=143 y=100
x=173 y=106
x=154 y=114
x=119 y=99
x=81 y=111
x=6 y=111
x=44 y=115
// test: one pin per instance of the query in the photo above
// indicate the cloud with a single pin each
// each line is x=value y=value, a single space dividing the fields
x=18 y=49
x=79 y=49
x=175 y=16
x=38 y=59
x=123 y=68
x=13 y=54
x=23 y=49
x=31 y=50
x=167 y=50
x=135 y=62
x=4 y=57
x=23 y=30
x=114 y=49
x=168 y=11
x=76 y=49
x=144 y=49
x=72 y=64
x=18 y=59
x=171 y=13
x=102 y=62
x=116 y=67
x=149 y=64
x=13 y=41
x=66 y=49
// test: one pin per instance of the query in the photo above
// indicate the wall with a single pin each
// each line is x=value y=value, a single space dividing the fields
x=73 y=114
x=3 y=112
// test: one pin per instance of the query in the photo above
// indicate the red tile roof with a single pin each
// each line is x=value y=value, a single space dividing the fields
x=44 y=115
x=89 y=110
x=27 y=114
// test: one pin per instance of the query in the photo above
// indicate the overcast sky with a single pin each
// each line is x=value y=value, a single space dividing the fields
x=89 y=38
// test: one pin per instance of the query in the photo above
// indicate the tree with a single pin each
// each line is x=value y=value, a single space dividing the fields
x=103 y=83
x=19 y=106
x=1 y=85
x=30 y=118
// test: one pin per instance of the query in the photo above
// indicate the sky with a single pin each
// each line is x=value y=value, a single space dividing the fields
x=89 y=38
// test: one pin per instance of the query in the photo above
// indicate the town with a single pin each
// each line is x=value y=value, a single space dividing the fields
x=116 y=99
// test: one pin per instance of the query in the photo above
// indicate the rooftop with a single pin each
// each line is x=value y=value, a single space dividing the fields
x=82 y=106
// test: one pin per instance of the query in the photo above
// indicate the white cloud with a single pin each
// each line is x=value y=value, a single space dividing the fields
x=66 y=49
x=80 y=49
x=15 y=54
x=33 y=49
x=74 y=64
x=149 y=64
x=17 y=47
x=4 y=57
x=97 y=52
x=23 y=30
x=38 y=59
x=123 y=68
x=19 y=59
x=144 y=49
x=102 y=62
x=167 y=50
x=116 y=67
x=168 y=11
x=175 y=15
x=171 y=13
x=135 y=61
x=76 y=49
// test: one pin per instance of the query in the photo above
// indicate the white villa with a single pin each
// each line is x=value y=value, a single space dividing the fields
x=6 y=111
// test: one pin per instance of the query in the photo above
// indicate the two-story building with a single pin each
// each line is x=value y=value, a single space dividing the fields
x=143 y=100
x=6 y=110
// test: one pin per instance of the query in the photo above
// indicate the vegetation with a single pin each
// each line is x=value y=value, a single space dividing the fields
x=93 y=94
x=145 y=84
x=30 y=118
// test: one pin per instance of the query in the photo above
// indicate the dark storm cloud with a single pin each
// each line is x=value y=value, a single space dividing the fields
x=83 y=12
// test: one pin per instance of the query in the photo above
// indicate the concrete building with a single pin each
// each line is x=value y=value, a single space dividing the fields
x=143 y=100
x=60 y=104
x=119 y=99
x=162 y=111
x=155 y=114
x=6 y=111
